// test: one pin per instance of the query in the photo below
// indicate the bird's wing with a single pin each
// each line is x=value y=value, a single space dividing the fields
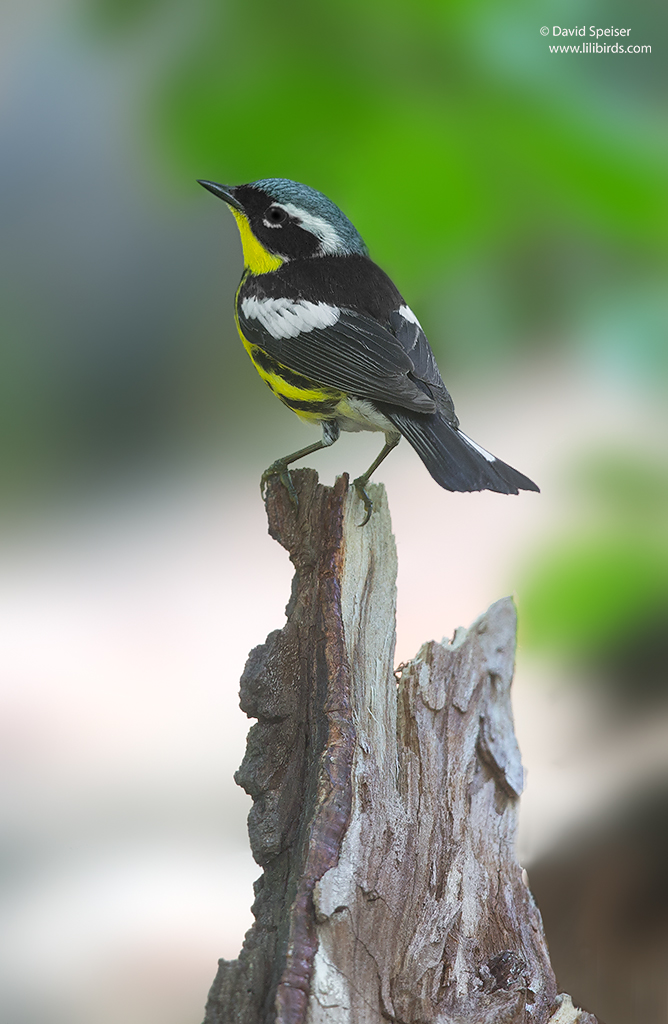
x=408 y=332
x=342 y=349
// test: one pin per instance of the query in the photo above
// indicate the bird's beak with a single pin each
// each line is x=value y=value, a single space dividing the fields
x=223 y=192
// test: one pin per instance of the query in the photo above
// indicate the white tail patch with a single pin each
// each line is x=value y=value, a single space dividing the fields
x=481 y=451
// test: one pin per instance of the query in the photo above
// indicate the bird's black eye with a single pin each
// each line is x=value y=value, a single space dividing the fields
x=275 y=216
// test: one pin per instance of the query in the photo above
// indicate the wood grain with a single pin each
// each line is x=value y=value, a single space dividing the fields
x=385 y=807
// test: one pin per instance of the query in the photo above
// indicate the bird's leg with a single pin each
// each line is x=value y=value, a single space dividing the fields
x=391 y=441
x=280 y=468
x=330 y=434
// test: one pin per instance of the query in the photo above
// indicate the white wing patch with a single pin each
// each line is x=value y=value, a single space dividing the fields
x=286 y=318
x=407 y=313
x=485 y=454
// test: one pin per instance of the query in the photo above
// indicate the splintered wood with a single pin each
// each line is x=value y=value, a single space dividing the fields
x=385 y=809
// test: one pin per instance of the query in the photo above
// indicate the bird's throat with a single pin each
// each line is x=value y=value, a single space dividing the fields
x=257 y=259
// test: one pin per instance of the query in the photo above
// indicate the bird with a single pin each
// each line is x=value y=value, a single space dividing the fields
x=333 y=338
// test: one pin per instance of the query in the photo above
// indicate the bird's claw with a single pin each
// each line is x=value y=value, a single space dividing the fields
x=360 y=487
x=280 y=470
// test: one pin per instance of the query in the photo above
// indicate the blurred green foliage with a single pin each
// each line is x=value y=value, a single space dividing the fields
x=448 y=133
x=599 y=592
x=518 y=198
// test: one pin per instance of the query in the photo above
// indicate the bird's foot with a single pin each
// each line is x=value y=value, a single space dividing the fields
x=360 y=486
x=279 y=469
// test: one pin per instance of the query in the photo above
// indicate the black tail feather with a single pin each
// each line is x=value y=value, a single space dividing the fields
x=454 y=461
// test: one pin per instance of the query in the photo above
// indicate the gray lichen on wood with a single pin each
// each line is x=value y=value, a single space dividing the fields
x=384 y=809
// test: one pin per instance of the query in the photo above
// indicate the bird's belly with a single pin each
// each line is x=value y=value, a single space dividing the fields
x=358 y=414
x=311 y=401
x=315 y=402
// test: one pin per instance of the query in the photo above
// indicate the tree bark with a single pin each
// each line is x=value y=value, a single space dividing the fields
x=385 y=806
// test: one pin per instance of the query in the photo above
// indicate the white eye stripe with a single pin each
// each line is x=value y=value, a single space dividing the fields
x=330 y=240
x=286 y=318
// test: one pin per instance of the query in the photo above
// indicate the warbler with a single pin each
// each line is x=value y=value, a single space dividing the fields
x=331 y=335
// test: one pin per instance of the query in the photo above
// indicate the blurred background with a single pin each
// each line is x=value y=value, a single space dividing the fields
x=519 y=199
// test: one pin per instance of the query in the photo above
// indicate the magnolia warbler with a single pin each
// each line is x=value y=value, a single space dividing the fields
x=332 y=337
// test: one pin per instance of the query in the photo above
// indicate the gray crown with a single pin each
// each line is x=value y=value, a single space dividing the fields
x=308 y=199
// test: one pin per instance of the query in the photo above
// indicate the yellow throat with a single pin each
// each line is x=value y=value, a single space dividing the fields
x=256 y=258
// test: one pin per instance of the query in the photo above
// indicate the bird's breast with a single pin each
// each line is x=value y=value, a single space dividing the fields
x=257 y=259
x=308 y=399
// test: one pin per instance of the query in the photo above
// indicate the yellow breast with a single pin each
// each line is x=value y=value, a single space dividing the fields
x=310 y=401
x=257 y=259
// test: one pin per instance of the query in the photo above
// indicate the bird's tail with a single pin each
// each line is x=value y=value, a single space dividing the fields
x=453 y=459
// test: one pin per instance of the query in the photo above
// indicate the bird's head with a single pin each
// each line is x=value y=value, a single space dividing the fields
x=281 y=220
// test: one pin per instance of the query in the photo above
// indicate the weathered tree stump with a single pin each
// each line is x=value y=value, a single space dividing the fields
x=385 y=809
